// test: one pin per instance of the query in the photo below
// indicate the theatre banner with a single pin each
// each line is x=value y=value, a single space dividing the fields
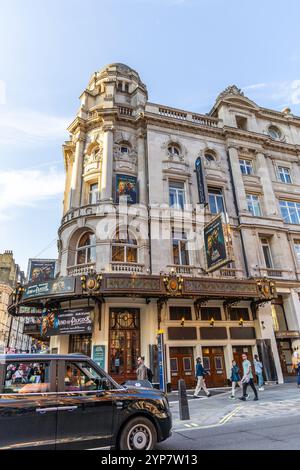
x=126 y=186
x=61 y=285
x=66 y=322
x=40 y=270
x=217 y=244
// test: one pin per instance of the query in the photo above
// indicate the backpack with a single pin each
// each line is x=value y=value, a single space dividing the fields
x=149 y=374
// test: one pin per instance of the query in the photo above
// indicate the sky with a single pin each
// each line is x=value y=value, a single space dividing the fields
x=186 y=52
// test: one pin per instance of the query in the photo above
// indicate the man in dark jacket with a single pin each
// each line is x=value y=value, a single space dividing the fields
x=200 y=373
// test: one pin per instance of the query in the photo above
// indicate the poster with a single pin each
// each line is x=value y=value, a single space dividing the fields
x=126 y=186
x=99 y=355
x=40 y=270
x=215 y=244
x=66 y=322
x=60 y=285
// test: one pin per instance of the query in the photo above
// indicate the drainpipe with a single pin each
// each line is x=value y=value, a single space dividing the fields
x=148 y=206
x=237 y=213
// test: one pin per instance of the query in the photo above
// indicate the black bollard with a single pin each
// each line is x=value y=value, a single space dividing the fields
x=184 y=412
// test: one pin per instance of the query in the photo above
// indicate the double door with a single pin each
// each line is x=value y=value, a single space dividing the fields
x=237 y=356
x=182 y=366
x=214 y=363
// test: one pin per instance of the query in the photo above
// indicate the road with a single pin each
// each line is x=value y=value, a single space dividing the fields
x=274 y=433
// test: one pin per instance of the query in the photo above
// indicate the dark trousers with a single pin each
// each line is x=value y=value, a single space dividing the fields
x=245 y=386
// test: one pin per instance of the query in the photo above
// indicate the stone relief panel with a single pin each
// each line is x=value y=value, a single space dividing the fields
x=125 y=152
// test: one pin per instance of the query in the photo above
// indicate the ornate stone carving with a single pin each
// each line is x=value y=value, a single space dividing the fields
x=231 y=90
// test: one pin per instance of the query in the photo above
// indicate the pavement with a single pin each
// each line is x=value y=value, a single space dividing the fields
x=218 y=422
x=219 y=409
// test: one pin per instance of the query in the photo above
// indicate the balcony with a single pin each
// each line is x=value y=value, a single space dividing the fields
x=182 y=269
x=119 y=267
x=81 y=269
x=184 y=116
x=231 y=273
x=277 y=273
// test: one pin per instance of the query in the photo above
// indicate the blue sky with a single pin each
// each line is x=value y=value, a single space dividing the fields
x=186 y=51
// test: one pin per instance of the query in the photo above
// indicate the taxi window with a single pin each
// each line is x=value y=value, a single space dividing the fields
x=26 y=377
x=81 y=377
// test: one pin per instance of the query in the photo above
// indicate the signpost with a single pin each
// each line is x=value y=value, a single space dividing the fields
x=99 y=355
x=161 y=360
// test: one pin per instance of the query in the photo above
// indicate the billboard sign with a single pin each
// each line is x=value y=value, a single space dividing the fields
x=40 y=270
x=126 y=186
x=63 y=285
x=66 y=322
x=201 y=182
x=216 y=245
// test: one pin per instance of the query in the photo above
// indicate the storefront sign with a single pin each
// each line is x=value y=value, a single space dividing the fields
x=99 y=355
x=201 y=182
x=66 y=322
x=126 y=186
x=57 y=286
x=215 y=245
x=41 y=270
x=161 y=360
x=287 y=334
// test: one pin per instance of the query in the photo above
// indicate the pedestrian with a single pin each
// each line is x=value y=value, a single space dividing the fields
x=247 y=378
x=258 y=366
x=235 y=378
x=141 y=372
x=200 y=374
x=298 y=375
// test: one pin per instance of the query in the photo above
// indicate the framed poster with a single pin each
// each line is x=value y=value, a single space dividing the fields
x=216 y=249
x=66 y=322
x=99 y=355
x=41 y=270
x=126 y=186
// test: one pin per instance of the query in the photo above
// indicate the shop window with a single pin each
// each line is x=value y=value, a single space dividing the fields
x=80 y=344
x=86 y=249
x=238 y=313
x=207 y=313
x=178 y=313
x=26 y=377
x=124 y=248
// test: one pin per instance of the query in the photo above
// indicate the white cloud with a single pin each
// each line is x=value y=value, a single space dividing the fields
x=27 y=188
x=283 y=93
x=26 y=126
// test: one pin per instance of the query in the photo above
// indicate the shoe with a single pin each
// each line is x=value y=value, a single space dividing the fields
x=232 y=396
x=209 y=395
x=246 y=396
x=242 y=398
x=255 y=399
x=261 y=389
x=195 y=396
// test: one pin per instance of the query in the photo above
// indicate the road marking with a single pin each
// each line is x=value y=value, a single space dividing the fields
x=227 y=417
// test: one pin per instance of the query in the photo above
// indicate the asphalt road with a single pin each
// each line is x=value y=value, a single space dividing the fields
x=276 y=433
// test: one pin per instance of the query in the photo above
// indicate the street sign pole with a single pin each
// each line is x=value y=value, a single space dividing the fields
x=161 y=360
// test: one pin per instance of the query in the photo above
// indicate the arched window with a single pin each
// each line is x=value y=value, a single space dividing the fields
x=274 y=132
x=124 y=247
x=209 y=156
x=173 y=150
x=86 y=248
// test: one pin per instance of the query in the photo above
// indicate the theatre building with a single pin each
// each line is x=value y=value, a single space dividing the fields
x=129 y=267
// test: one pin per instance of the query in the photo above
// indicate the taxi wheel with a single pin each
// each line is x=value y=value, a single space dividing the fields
x=138 y=434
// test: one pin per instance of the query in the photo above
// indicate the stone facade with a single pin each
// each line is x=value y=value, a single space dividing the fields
x=251 y=157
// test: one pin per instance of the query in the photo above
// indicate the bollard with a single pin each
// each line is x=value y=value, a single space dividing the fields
x=184 y=412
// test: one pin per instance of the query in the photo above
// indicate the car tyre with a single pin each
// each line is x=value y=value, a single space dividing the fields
x=138 y=434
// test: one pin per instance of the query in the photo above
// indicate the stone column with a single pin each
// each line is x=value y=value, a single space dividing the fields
x=142 y=177
x=270 y=201
x=76 y=177
x=238 y=180
x=107 y=164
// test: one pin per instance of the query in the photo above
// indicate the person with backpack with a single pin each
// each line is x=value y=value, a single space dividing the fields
x=235 y=378
x=200 y=374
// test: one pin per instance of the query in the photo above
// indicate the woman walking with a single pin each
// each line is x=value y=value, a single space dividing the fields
x=235 y=378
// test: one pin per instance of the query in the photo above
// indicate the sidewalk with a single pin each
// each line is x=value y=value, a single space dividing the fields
x=219 y=408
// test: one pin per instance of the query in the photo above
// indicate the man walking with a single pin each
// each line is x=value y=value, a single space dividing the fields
x=200 y=373
x=141 y=372
x=258 y=366
x=247 y=378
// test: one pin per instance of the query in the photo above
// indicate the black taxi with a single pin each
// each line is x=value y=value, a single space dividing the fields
x=68 y=402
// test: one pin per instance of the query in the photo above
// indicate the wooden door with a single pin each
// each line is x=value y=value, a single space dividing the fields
x=213 y=361
x=182 y=366
x=237 y=356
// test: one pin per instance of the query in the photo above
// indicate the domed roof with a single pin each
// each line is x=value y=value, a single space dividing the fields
x=121 y=68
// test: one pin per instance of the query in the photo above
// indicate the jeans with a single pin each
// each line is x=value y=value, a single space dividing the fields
x=201 y=384
x=245 y=386
x=234 y=384
x=260 y=379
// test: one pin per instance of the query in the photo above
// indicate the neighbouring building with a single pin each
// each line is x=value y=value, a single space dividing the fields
x=126 y=258
x=12 y=335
